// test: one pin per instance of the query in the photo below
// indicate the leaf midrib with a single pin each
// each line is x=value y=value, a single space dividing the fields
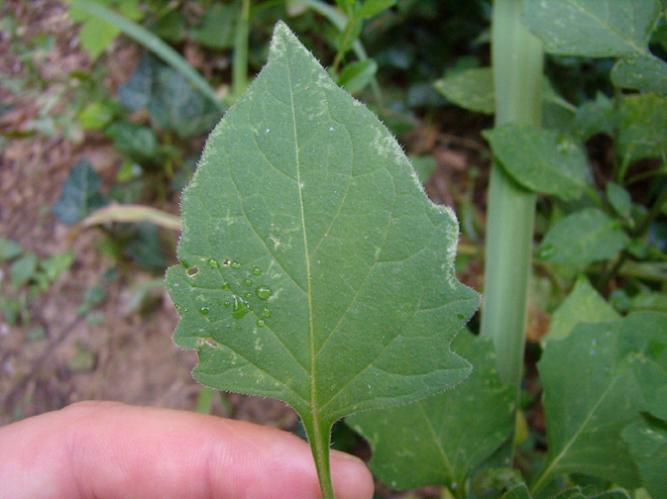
x=309 y=295
x=549 y=470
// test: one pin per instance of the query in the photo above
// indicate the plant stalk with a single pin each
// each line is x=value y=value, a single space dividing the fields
x=240 y=68
x=517 y=67
x=318 y=436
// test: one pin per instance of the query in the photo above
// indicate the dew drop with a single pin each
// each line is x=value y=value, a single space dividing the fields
x=226 y=286
x=247 y=295
x=204 y=310
x=248 y=282
x=213 y=263
x=235 y=265
x=266 y=313
x=260 y=323
x=263 y=292
x=256 y=270
x=240 y=308
x=226 y=303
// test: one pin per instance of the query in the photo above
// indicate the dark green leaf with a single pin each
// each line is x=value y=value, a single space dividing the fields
x=541 y=160
x=594 y=117
x=647 y=440
x=583 y=304
x=645 y=73
x=471 y=89
x=139 y=142
x=80 y=194
x=582 y=238
x=585 y=419
x=435 y=441
x=518 y=492
x=643 y=130
x=136 y=92
x=592 y=28
x=315 y=270
x=176 y=105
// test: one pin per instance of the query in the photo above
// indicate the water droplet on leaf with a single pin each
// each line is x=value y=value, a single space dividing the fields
x=263 y=292
x=260 y=323
x=213 y=263
x=256 y=270
x=204 y=310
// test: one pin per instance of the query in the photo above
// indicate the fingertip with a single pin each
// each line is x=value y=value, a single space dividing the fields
x=351 y=477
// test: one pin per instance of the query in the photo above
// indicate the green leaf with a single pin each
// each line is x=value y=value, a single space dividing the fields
x=582 y=238
x=139 y=142
x=471 y=89
x=95 y=116
x=585 y=419
x=23 y=269
x=96 y=36
x=540 y=160
x=80 y=194
x=645 y=73
x=176 y=105
x=217 y=28
x=620 y=199
x=592 y=28
x=647 y=440
x=9 y=249
x=435 y=441
x=424 y=167
x=594 y=117
x=371 y=8
x=518 y=492
x=357 y=75
x=579 y=493
x=315 y=270
x=654 y=301
x=583 y=304
x=643 y=129
x=55 y=265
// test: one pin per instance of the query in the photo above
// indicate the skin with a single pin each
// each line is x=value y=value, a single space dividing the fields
x=111 y=450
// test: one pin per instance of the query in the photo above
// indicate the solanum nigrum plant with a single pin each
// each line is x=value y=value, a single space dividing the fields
x=314 y=270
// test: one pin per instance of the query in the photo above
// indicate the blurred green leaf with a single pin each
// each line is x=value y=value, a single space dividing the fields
x=646 y=300
x=144 y=248
x=95 y=116
x=217 y=27
x=175 y=105
x=470 y=89
x=80 y=194
x=647 y=440
x=371 y=8
x=584 y=237
x=619 y=198
x=139 y=142
x=583 y=304
x=541 y=160
x=645 y=73
x=23 y=270
x=594 y=117
x=424 y=167
x=357 y=75
x=57 y=264
x=9 y=249
x=592 y=28
x=643 y=127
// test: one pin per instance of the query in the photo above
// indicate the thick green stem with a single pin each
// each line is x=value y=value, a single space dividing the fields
x=517 y=65
x=240 y=69
x=318 y=436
